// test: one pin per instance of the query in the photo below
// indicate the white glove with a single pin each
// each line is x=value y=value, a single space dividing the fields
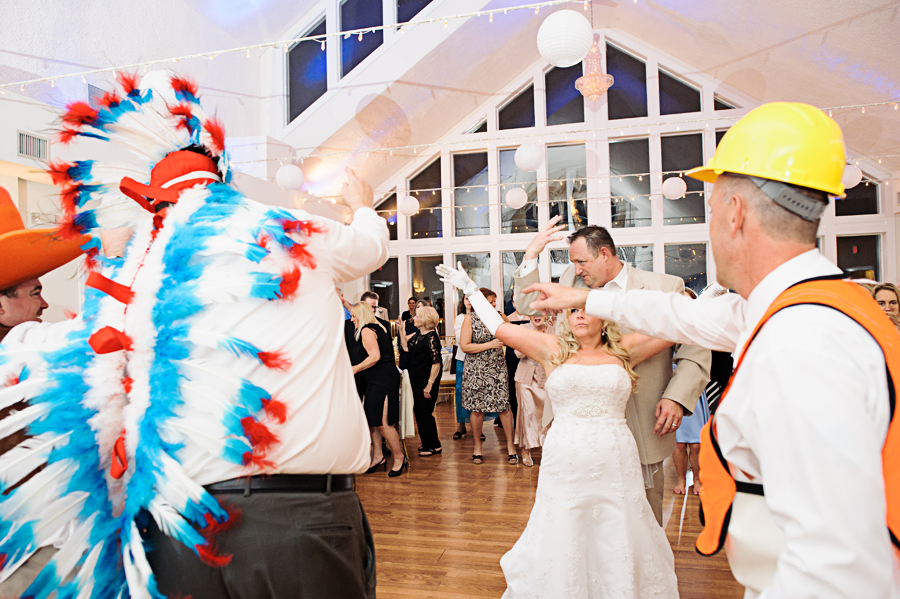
x=457 y=278
x=713 y=290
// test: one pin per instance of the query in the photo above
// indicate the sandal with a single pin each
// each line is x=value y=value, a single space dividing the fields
x=513 y=459
x=425 y=453
x=482 y=437
x=477 y=459
x=459 y=435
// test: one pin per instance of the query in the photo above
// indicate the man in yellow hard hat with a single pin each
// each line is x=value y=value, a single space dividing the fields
x=801 y=483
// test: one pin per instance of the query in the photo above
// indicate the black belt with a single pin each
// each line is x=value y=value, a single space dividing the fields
x=286 y=483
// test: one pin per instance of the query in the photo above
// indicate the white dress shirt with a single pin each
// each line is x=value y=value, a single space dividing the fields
x=806 y=416
x=619 y=283
x=457 y=328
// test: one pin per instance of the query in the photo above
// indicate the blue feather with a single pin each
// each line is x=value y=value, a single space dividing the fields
x=251 y=396
x=239 y=347
x=44 y=584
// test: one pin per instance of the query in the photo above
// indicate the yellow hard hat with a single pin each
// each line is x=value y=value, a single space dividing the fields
x=783 y=141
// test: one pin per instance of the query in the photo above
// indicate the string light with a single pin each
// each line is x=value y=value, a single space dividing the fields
x=248 y=52
x=323 y=45
x=359 y=38
x=52 y=83
x=446 y=24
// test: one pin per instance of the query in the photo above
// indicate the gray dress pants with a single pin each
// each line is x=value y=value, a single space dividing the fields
x=287 y=546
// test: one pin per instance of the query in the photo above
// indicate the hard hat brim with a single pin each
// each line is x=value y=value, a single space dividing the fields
x=704 y=173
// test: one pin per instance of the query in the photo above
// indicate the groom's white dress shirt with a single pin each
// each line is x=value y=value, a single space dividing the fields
x=806 y=416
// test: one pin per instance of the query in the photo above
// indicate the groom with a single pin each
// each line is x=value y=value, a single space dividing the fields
x=662 y=398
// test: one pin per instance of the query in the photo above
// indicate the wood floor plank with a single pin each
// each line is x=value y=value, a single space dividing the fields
x=441 y=528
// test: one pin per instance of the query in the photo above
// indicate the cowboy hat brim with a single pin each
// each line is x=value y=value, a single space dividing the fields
x=32 y=253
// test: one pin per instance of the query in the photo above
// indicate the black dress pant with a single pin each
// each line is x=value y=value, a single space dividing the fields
x=423 y=408
x=287 y=546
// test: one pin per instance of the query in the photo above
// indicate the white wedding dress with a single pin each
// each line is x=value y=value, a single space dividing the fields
x=591 y=533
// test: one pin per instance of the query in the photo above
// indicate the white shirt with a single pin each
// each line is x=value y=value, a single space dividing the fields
x=807 y=416
x=457 y=327
x=619 y=283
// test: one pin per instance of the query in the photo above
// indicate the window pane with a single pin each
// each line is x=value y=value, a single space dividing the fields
x=385 y=283
x=627 y=98
x=719 y=135
x=307 y=72
x=357 y=14
x=523 y=220
x=559 y=262
x=519 y=113
x=388 y=211
x=862 y=199
x=478 y=267
x=426 y=284
x=680 y=153
x=567 y=166
x=407 y=9
x=426 y=187
x=480 y=127
x=688 y=261
x=636 y=256
x=565 y=104
x=676 y=97
x=510 y=261
x=630 y=194
x=858 y=256
x=470 y=196
x=721 y=104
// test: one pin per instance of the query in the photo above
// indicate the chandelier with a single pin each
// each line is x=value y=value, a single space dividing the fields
x=594 y=83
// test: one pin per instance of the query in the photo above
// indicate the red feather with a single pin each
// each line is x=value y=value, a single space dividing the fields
x=302 y=256
x=184 y=112
x=251 y=460
x=69 y=314
x=209 y=556
x=79 y=114
x=214 y=527
x=184 y=85
x=259 y=435
x=216 y=133
x=12 y=380
x=290 y=282
x=307 y=227
x=126 y=384
x=128 y=81
x=68 y=229
x=276 y=410
x=263 y=240
x=67 y=199
x=110 y=100
x=59 y=172
x=90 y=260
x=275 y=360
x=66 y=136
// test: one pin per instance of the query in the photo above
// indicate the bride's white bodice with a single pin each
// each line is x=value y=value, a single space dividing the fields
x=588 y=391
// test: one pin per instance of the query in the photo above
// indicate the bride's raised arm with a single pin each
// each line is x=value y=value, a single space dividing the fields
x=534 y=344
x=643 y=347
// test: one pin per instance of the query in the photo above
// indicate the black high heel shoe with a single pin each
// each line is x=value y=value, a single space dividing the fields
x=396 y=473
x=383 y=462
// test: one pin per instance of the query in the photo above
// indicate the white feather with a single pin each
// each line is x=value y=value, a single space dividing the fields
x=84 y=580
x=57 y=516
x=27 y=389
x=29 y=500
x=16 y=421
x=27 y=456
x=137 y=569
x=71 y=551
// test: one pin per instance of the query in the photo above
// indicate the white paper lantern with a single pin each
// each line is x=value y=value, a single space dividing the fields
x=408 y=206
x=516 y=198
x=528 y=157
x=289 y=177
x=851 y=177
x=674 y=188
x=565 y=37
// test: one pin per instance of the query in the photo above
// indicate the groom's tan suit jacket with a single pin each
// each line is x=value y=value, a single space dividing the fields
x=657 y=379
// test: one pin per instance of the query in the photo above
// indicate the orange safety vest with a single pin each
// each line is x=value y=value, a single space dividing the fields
x=718 y=486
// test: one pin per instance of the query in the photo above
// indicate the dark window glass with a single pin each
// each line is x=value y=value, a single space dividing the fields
x=688 y=261
x=509 y=261
x=629 y=163
x=385 y=282
x=479 y=128
x=307 y=72
x=862 y=199
x=470 y=194
x=523 y=220
x=559 y=262
x=565 y=104
x=407 y=9
x=676 y=97
x=388 y=211
x=636 y=256
x=857 y=256
x=519 y=113
x=721 y=104
x=426 y=187
x=426 y=284
x=680 y=153
x=719 y=135
x=627 y=98
x=567 y=169
x=357 y=14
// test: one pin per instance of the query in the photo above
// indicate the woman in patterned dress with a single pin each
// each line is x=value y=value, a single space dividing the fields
x=485 y=382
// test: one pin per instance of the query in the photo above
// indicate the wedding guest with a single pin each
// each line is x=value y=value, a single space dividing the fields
x=462 y=414
x=530 y=378
x=371 y=298
x=485 y=383
x=382 y=401
x=425 y=364
x=888 y=297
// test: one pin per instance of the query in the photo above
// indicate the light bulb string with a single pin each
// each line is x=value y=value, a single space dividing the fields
x=287 y=43
x=480 y=142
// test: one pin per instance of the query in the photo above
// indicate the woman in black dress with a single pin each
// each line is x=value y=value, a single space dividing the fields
x=382 y=401
x=424 y=349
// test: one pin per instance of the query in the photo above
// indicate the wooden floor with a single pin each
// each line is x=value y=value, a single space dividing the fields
x=441 y=528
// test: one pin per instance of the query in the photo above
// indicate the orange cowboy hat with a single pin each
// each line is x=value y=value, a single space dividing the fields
x=30 y=253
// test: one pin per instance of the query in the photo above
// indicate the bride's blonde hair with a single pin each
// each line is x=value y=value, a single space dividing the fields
x=611 y=336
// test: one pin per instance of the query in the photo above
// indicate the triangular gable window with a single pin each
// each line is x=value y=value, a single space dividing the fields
x=675 y=96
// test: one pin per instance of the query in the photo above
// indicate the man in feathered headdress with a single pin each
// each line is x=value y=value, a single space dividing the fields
x=202 y=404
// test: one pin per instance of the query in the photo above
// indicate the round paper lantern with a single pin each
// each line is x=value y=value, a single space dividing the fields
x=674 y=188
x=289 y=177
x=516 y=198
x=851 y=177
x=565 y=37
x=408 y=206
x=528 y=157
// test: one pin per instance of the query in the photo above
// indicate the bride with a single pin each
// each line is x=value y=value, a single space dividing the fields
x=591 y=533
